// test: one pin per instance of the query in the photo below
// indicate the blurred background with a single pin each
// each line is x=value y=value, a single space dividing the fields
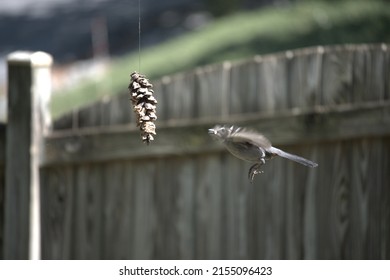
x=312 y=75
x=95 y=42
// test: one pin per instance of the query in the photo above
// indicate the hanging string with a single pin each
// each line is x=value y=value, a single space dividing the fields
x=139 y=36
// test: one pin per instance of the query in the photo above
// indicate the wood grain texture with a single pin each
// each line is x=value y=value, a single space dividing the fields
x=2 y=208
x=203 y=206
x=57 y=212
x=208 y=208
x=302 y=78
x=18 y=139
x=322 y=124
x=2 y=186
x=105 y=195
x=27 y=121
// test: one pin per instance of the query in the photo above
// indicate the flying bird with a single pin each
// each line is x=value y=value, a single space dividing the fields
x=251 y=146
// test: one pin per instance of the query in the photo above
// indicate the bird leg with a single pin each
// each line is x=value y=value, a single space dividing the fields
x=255 y=169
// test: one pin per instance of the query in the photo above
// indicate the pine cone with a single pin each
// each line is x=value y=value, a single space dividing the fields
x=144 y=105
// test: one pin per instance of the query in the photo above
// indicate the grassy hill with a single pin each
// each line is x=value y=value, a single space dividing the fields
x=242 y=35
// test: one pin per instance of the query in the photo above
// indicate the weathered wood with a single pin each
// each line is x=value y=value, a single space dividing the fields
x=88 y=212
x=2 y=195
x=208 y=202
x=300 y=78
x=105 y=195
x=211 y=90
x=115 y=223
x=2 y=187
x=28 y=94
x=322 y=124
x=145 y=214
x=58 y=223
x=3 y=136
x=175 y=97
x=186 y=184
x=235 y=197
x=117 y=110
x=304 y=77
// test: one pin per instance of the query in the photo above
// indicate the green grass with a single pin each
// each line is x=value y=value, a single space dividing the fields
x=240 y=36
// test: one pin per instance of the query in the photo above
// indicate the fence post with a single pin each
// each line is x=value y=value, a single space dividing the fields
x=29 y=88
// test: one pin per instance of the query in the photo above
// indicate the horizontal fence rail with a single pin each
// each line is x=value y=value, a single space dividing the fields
x=320 y=124
x=106 y=195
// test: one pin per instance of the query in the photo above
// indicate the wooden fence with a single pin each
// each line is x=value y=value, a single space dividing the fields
x=105 y=195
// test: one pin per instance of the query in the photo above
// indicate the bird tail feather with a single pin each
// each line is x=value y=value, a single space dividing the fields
x=295 y=158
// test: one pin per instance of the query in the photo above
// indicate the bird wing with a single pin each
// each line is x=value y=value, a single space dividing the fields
x=250 y=137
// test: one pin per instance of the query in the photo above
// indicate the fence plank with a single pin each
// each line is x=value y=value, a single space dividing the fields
x=144 y=222
x=185 y=197
x=243 y=93
x=176 y=96
x=337 y=68
x=186 y=178
x=273 y=93
x=310 y=237
x=208 y=208
x=234 y=206
x=2 y=206
x=88 y=212
x=304 y=77
x=117 y=110
x=116 y=213
x=211 y=90
x=57 y=212
x=2 y=187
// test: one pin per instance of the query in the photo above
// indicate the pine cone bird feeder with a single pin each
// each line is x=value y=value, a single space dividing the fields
x=144 y=105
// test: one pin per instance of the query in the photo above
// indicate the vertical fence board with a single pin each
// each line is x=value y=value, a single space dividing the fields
x=337 y=77
x=339 y=201
x=115 y=219
x=144 y=223
x=272 y=70
x=243 y=89
x=185 y=224
x=2 y=187
x=211 y=89
x=2 y=195
x=377 y=73
x=208 y=208
x=295 y=176
x=203 y=206
x=304 y=78
x=310 y=237
x=57 y=212
x=377 y=194
x=180 y=93
x=234 y=220
x=118 y=110
x=166 y=234
x=322 y=223
x=88 y=212
x=385 y=202
x=90 y=116
x=127 y=230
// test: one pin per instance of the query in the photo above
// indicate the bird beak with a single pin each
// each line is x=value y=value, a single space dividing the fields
x=211 y=131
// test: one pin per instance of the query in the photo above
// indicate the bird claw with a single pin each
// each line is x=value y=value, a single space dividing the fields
x=254 y=170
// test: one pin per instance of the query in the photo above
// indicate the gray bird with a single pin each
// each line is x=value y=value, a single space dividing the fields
x=251 y=146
